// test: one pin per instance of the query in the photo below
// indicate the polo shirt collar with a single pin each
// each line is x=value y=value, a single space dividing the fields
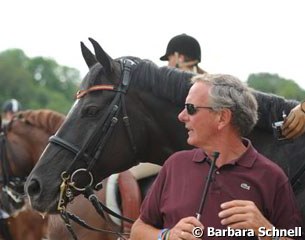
x=199 y=155
x=247 y=159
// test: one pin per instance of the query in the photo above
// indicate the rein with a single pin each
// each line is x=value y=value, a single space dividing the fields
x=102 y=132
x=100 y=208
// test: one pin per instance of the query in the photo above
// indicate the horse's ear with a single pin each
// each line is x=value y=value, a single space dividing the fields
x=102 y=57
x=88 y=55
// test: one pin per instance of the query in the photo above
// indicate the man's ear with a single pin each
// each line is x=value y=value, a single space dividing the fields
x=225 y=116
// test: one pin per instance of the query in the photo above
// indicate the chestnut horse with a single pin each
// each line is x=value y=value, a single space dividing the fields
x=25 y=138
x=125 y=113
x=22 y=141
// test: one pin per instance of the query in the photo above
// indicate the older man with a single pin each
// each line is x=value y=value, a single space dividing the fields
x=250 y=197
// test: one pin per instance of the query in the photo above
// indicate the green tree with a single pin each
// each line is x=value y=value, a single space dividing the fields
x=37 y=82
x=273 y=83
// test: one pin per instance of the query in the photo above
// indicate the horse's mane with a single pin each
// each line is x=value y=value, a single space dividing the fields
x=271 y=108
x=173 y=84
x=165 y=82
x=46 y=119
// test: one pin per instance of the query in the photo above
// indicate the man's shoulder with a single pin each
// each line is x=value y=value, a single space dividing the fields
x=264 y=162
x=190 y=152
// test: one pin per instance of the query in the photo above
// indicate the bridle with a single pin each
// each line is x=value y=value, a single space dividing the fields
x=96 y=143
x=12 y=186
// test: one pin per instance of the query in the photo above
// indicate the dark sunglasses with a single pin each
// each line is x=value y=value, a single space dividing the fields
x=192 y=109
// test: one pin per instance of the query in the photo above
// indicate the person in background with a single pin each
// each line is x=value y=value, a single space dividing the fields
x=294 y=123
x=183 y=52
x=10 y=107
x=219 y=111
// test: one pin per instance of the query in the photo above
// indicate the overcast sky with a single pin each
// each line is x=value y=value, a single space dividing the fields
x=237 y=37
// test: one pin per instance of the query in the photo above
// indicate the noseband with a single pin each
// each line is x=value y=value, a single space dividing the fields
x=98 y=140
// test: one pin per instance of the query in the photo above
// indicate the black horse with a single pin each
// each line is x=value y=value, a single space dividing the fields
x=125 y=113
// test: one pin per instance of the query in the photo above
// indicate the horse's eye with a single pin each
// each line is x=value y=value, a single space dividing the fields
x=91 y=111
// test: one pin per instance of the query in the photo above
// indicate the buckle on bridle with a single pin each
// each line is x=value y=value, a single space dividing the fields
x=62 y=191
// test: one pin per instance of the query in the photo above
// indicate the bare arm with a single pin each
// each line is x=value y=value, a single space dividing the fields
x=140 y=230
x=182 y=230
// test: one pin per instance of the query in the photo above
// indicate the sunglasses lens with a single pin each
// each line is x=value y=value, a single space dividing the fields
x=191 y=109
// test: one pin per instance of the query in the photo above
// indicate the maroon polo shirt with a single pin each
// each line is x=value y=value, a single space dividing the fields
x=178 y=189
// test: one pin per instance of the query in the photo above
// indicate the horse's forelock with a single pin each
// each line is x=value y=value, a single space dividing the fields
x=93 y=77
x=46 y=119
x=97 y=71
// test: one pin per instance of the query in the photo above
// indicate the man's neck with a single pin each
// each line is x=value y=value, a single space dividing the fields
x=228 y=148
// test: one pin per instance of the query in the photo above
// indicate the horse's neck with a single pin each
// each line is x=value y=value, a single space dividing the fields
x=36 y=142
x=162 y=92
x=165 y=134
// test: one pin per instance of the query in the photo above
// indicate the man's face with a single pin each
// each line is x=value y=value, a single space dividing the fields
x=202 y=126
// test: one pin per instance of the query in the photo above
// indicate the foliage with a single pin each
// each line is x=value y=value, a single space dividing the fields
x=272 y=83
x=42 y=83
x=37 y=82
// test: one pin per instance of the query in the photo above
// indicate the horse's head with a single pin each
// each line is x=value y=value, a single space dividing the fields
x=22 y=142
x=115 y=123
x=89 y=131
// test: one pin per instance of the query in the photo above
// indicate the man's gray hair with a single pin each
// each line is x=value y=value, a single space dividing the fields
x=229 y=92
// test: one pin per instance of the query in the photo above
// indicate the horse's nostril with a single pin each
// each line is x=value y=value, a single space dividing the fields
x=33 y=188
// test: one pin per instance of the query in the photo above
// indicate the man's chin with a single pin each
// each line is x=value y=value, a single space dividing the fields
x=190 y=141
